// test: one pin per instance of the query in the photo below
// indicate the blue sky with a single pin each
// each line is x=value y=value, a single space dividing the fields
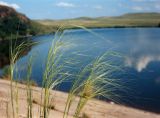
x=62 y=9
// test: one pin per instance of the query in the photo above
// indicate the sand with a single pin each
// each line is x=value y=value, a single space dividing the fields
x=93 y=109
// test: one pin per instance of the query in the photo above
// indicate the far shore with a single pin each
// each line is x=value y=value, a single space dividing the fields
x=77 y=28
x=101 y=27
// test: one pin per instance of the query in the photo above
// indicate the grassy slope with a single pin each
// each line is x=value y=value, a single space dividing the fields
x=127 y=20
x=42 y=29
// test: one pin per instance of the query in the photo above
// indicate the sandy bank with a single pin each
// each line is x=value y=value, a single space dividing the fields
x=94 y=108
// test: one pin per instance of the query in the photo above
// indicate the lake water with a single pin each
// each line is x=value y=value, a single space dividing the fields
x=141 y=63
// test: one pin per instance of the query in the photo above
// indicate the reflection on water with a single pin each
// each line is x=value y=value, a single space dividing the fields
x=141 y=62
x=142 y=52
x=140 y=47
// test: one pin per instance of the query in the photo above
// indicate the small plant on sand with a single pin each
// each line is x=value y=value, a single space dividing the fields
x=29 y=89
x=84 y=115
x=53 y=74
x=16 y=51
x=94 y=80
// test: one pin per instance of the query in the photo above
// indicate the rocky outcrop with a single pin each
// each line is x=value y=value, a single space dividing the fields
x=8 y=11
x=12 y=22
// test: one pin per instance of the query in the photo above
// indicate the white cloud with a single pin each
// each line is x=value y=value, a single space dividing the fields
x=157 y=6
x=98 y=7
x=144 y=0
x=137 y=8
x=13 y=5
x=146 y=7
x=65 y=4
x=138 y=0
x=143 y=5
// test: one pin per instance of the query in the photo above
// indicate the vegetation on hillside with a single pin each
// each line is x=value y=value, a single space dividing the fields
x=13 y=24
x=127 y=20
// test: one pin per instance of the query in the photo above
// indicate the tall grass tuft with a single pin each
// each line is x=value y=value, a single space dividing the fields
x=28 y=88
x=94 y=80
x=16 y=51
x=53 y=73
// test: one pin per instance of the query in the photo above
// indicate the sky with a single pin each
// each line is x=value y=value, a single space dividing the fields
x=64 y=9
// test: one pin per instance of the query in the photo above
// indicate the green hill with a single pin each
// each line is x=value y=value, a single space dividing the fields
x=152 y=15
x=127 y=20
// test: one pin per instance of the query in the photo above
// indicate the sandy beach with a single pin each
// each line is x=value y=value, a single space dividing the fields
x=93 y=109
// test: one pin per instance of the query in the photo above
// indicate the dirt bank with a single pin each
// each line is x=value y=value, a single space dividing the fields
x=94 y=108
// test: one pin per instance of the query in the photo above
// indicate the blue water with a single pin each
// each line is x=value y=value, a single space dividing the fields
x=140 y=48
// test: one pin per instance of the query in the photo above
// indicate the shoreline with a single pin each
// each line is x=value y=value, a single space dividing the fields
x=77 y=28
x=94 y=108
